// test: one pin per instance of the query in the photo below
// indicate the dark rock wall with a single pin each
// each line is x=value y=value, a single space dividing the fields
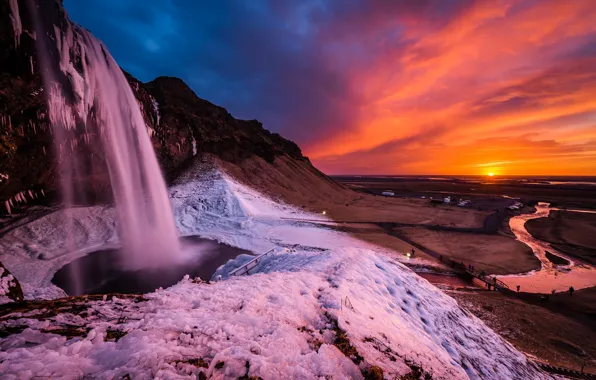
x=183 y=124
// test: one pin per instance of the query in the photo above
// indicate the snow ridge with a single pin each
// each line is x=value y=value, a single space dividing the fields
x=282 y=321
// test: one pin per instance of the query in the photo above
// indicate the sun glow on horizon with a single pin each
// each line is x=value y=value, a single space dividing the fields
x=491 y=174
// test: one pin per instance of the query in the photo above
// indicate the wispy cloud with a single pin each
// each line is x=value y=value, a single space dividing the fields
x=377 y=86
x=498 y=163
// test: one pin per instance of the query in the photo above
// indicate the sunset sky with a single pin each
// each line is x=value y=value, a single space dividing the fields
x=381 y=86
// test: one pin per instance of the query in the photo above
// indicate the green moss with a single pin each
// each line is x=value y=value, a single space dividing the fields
x=114 y=335
x=416 y=373
x=342 y=342
x=198 y=363
x=373 y=373
x=73 y=305
x=69 y=332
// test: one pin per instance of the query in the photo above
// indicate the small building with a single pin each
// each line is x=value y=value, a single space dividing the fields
x=447 y=200
x=388 y=193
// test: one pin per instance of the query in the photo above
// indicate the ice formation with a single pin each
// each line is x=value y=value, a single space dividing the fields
x=156 y=110
x=15 y=18
x=105 y=114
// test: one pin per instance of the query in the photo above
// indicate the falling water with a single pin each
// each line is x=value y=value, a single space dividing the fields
x=91 y=103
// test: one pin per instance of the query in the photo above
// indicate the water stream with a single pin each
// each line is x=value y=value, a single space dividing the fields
x=550 y=277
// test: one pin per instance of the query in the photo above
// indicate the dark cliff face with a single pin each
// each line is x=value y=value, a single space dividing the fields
x=182 y=124
x=186 y=125
x=25 y=140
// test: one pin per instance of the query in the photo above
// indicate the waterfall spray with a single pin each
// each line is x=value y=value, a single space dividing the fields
x=92 y=108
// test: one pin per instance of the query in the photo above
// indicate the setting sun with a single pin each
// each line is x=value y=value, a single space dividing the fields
x=491 y=174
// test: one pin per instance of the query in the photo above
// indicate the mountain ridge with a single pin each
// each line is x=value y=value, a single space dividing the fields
x=180 y=123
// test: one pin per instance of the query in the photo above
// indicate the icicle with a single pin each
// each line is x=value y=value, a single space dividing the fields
x=147 y=226
x=194 y=147
x=15 y=18
x=42 y=193
x=30 y=194
x=31 y=63
x=44 y=150
x=7 y=204
x=156 y=110
x=11 y=204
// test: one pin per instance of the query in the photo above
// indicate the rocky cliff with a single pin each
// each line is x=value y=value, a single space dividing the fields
x=181 y=124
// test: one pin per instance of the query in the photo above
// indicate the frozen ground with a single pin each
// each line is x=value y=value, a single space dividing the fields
x=324 y=305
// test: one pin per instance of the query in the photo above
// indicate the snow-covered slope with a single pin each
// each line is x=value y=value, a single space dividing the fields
x=324 y=305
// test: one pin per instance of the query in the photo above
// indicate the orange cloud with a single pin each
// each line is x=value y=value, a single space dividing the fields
x=506 y=82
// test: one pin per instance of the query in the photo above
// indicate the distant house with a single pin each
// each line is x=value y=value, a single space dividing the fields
x=388 y=193
x=447 y=200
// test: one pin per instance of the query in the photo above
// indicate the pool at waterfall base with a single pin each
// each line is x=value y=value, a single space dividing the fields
x=101 y=272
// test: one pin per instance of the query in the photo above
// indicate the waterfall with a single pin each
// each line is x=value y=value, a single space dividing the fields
x=93 y=109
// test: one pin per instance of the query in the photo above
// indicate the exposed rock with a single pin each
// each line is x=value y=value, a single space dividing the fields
x=180 y=123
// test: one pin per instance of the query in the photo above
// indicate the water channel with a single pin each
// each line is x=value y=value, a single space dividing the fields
x=550 y=277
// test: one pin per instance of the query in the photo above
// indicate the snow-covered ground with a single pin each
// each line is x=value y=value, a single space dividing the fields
x=288 y=319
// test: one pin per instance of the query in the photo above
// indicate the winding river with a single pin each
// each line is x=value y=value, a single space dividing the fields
x=550 y=277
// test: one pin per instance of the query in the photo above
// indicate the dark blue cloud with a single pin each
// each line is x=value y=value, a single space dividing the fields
x=290 y=64
x=258 y=59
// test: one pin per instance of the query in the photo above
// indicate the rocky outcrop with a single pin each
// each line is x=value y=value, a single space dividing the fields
x=180 y=123
x=25 y=140
x=186 y=125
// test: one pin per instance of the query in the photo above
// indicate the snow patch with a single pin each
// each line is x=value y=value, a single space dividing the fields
x=279 y=322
